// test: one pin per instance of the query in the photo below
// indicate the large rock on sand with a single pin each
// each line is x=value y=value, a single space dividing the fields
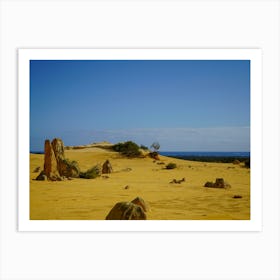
x=126 y=211
x=55 y=165
x=107 y=167
x=219 y=184
x=50 y=163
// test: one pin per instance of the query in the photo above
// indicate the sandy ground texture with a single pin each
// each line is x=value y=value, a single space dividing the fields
x=92 y=199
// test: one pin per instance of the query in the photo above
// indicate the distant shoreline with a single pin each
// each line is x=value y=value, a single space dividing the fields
x=222 y=157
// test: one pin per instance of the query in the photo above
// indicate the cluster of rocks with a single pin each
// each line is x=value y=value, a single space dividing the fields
x=219 y=183
x=134 y=210
x=56 y=166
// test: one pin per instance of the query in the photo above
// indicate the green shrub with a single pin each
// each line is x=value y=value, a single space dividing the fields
x=68 y=168
x=91 y=173
x=145 y=148
x=171 y=165
x=129 y=149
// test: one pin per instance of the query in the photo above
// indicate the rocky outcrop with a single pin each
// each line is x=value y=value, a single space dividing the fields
x=50 y=163
x=219 y=184
x=126 y=211
x=56 y=166
x=134 y=210
x=107 y=167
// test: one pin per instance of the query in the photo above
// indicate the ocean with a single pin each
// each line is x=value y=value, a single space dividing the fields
x=209 y=156
x=206 y=154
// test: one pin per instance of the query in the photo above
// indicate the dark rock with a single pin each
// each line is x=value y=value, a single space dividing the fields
x=209 y=185
x=126 y=187
x=237 y=196
x=219 y=184
x=42 y=176
x=175 y=181
x=107 y=167
x=126 y=211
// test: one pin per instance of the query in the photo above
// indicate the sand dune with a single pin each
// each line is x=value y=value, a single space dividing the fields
x=92 y=199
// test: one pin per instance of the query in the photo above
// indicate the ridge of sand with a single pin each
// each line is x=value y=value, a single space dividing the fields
x=92 y=199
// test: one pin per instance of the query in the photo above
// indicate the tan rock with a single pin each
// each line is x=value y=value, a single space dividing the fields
x=126 y=211
x=140 y=201
x=107 y=167
x=50 y=163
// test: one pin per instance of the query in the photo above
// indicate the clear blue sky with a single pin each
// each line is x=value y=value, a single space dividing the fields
x=186 y=105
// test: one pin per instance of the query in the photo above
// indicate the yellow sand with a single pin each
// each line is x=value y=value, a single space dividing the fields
x=92 y=199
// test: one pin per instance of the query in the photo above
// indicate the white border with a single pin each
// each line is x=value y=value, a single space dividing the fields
x=254 y=55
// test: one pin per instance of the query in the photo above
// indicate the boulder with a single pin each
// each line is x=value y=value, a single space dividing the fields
x=126 y=211
x=107 y=167
x=219 y=184
x=140 y=201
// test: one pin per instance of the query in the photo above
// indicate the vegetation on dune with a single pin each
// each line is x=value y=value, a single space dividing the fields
x=171 y=165
x=143 y=147
x=129 y=149
x=71 y=165
x=91 y=173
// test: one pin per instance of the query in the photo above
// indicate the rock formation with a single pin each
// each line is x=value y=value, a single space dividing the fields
x=219 y=184
x=56 y=166
x=107 y=167
x=126 y=211
x=50 y=163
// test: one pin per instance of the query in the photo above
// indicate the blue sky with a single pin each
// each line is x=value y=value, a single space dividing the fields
x=185 y=105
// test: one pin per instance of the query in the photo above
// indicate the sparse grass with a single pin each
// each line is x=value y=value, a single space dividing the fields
x=91 y=173
x=171 y=165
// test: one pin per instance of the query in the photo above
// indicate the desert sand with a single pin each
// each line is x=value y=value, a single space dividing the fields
x=92 y=199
